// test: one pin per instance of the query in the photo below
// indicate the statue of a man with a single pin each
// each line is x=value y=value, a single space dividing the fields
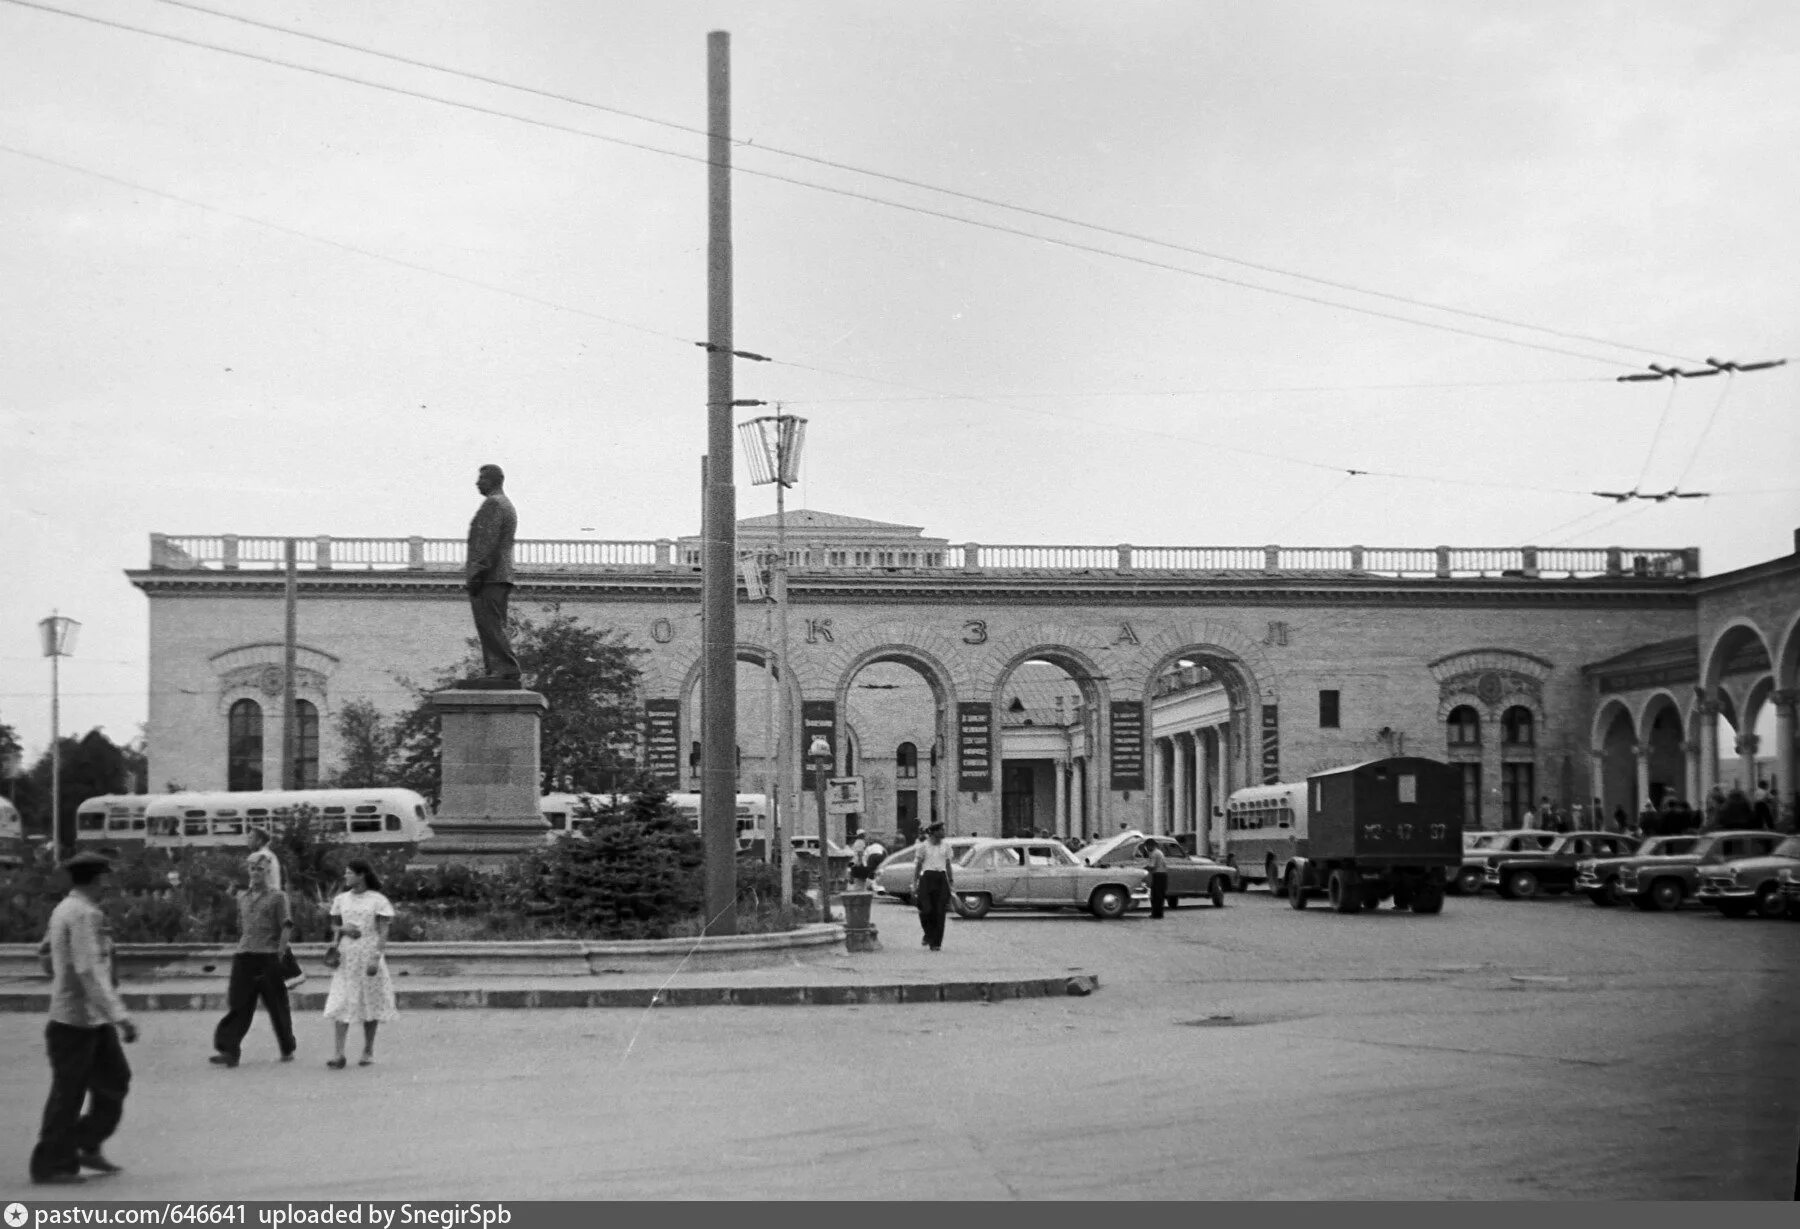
x=488 y=574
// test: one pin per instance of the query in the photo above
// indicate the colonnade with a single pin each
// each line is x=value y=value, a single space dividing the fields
x=1190 y=779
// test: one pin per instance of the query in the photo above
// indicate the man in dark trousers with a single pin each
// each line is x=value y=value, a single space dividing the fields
x=488 y=573
x=265 y=929
x=87 y=1021
x=1158 y=864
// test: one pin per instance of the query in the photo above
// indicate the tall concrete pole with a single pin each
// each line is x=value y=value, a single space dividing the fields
x=718 y=742
x=290 y=711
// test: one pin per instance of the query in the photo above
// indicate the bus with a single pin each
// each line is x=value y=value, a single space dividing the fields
x=115 y=821
x=377 y=818
x=566 y=813
x=12 y=837
x=1263 y=827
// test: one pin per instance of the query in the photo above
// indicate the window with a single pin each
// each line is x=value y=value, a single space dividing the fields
x=1515 y=727
x=1516 y=793
x=1464 y=727
x=244 y=746
x=906 y=761
x=391 y=822
x=1471 y=795
x=1328 y=710
x=306 y=745
x=90 y=823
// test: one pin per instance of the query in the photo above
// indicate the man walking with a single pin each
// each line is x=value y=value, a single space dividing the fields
x=488 y=573
x=87 y=1021
x=265 y=930
x=1158 y=863
x=262 y=855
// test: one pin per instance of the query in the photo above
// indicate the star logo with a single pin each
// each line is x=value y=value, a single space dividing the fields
x=15 y=1215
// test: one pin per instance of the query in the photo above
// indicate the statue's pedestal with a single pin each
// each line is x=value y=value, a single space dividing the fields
x=488 y=806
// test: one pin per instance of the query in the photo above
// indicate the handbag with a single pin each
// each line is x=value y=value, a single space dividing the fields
x=291 y=972
x=332 y=957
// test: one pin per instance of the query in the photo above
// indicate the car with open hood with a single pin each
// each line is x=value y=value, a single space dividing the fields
x=1191 y=876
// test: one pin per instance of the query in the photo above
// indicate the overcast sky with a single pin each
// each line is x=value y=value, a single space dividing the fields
x=363 y=294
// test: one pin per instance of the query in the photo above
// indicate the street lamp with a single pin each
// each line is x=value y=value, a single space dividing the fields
x=771 y=447
x=58 y=634
x=820 y=754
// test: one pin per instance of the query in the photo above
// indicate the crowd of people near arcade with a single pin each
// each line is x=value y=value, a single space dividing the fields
x=1671 y=815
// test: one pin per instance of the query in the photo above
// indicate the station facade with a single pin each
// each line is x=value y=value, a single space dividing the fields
x=1064 y=689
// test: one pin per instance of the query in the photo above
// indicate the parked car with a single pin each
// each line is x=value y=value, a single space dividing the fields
x=1032 y=873
x=894 y=875
x=1598 y=878
x=1666 y=876
x=1192 y=876
x=1737 y=888
x=1522 y=875
x=1473 y=875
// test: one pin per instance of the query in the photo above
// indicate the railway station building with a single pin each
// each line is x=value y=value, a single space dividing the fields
x=1060 y=689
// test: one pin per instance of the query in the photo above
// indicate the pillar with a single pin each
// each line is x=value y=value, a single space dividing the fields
x=1159 y=807
x=1708 y=712
x=1061 y=771
x=1690 y=777
x=1179 y=767
x=1746 y=752
x=1783 y=786
x=1640 y=752
x=1597 y=786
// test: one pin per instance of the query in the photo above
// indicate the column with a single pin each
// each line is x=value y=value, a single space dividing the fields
x=1708 y=711
x=1640 y=752
x=1746 y=751
x=1179 y=769
x=1690 y=776
x=1597 y=786
x=1197 y=783
x=1158 y=807
x=1060 y=770
x=1783 y=785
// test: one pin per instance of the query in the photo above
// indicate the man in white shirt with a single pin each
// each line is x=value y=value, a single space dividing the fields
x=261 y=855
x=87 y=1021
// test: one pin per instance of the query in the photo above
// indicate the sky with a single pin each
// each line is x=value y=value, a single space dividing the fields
x=1208 y=278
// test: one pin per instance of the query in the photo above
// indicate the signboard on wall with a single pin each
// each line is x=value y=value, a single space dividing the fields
x=844 y=796
x=1271 y=745
x=818 y=719
x=1127 y=744
x=974 y=746
x=662 y=741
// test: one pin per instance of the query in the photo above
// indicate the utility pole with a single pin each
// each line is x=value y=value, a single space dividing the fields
x=718 y=744
x=290 y=733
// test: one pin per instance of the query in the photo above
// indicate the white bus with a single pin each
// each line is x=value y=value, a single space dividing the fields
x=1263 y=826
x=378 y=818
x=117 y=821
x=567 y=813
x=12 y=836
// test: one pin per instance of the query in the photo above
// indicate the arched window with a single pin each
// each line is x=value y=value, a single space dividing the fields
x=1464 y=726
x=1515 y=726
x=244 y=746
x=306 y=745
x=906 y=761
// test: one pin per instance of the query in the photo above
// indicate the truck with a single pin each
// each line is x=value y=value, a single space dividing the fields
x=1379 y=830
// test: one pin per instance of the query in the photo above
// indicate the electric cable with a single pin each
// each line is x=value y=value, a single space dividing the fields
x=1656 y=437
x=1718 y=405
x=904 y=181
x=996 y=227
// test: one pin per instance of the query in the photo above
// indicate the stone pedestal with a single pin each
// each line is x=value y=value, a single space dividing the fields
x=488 y=808
x=860 y=934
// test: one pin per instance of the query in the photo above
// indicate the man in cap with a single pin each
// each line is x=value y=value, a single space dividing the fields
x=87 y=1021
x=488 y=572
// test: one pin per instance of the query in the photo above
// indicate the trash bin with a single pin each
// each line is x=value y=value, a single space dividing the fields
x=859 y=934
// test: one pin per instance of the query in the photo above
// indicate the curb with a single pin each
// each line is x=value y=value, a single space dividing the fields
x=639 y=997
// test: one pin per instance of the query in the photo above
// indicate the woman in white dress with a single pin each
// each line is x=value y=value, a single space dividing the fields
x=361 y=990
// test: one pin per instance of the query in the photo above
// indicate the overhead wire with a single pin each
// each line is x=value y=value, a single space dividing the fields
x=1713 y=417
x=1656 y=437
x=835 y=164
x=996 y=227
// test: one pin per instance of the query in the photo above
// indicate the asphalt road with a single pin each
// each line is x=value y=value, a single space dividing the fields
x=1531 y=1050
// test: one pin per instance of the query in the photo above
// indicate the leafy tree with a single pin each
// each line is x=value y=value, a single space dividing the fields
x=91 y=765
x=12 y=751
x=369 y=743
x=588 y=739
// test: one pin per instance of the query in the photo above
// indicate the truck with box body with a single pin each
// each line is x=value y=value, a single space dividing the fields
x=1380 y=830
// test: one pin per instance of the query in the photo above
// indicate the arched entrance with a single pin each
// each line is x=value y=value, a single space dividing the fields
x=1050 y=724
x=1197 y=708
x=1616 y=778
x=894 y=706
x=1665 y=764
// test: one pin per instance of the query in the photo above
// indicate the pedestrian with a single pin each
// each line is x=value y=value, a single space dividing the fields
x=361 y=990
x=1735 y=811
x=1762 y=813
x=933 y=881
x=1620 y=820
x=88 y=1020
x=1158 y=863
x=261 y=855
x=265 y=934
x=859 y=864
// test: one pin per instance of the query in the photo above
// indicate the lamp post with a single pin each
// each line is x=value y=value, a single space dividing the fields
x=58 y=634
x=820 y=754
x=771 y=447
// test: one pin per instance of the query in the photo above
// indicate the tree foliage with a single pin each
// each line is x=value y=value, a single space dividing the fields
x=369 y=742
x=91 y=765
